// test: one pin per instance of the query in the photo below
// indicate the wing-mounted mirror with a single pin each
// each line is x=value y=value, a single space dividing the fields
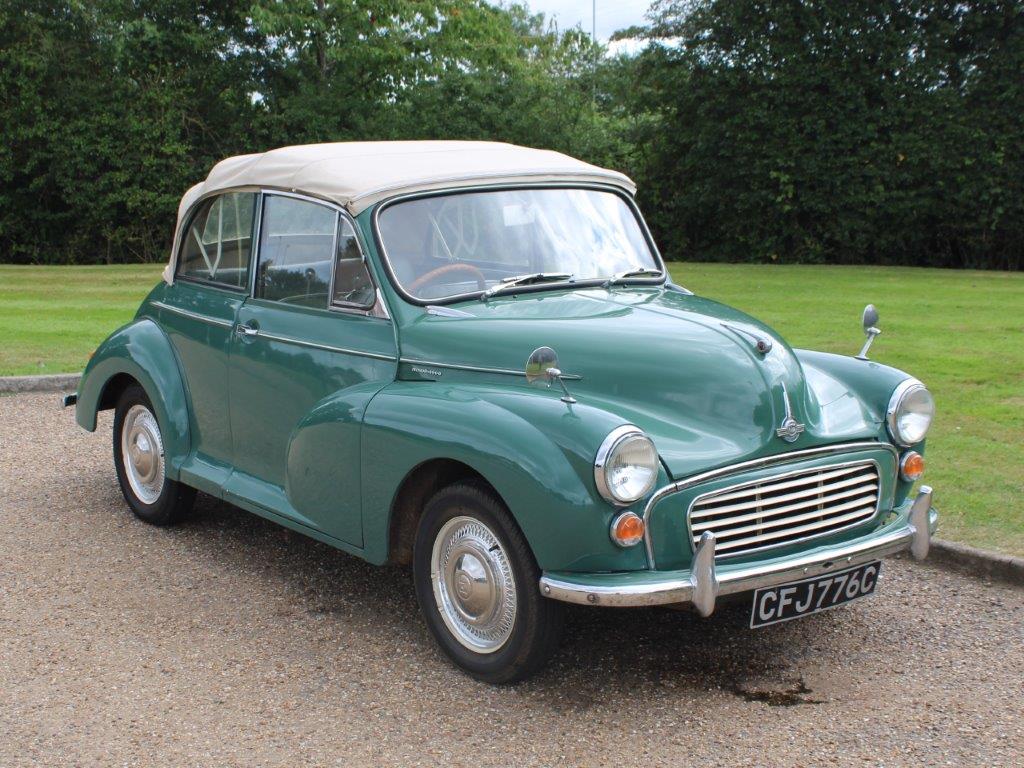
x=541 y=360
x=869 y=319
x=542 y=365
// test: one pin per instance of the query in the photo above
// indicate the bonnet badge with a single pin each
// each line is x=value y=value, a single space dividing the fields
x=790 y=429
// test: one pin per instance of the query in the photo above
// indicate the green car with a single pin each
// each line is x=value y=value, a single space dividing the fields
x=468 y=357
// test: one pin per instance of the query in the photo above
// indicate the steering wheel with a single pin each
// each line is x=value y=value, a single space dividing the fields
x=447 y=269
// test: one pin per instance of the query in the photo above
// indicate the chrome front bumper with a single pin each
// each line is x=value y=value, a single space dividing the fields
x=706 y=580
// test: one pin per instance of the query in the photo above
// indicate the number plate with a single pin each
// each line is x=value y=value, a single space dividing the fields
x=807 y=596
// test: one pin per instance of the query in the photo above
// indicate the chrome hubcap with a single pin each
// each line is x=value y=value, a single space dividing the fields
x=473 y=584
x=142 y=451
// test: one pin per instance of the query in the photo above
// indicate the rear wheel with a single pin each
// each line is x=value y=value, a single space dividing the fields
x=476 y=583
x=140 y=462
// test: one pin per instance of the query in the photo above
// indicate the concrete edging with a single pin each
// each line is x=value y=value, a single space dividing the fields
x=980 y=563
x=60 y=382
x=946 y=554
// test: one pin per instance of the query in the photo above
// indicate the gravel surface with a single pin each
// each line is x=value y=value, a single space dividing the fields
x=230 y=641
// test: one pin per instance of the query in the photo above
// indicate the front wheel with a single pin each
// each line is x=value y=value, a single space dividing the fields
x=476 y=583
x=139 y=461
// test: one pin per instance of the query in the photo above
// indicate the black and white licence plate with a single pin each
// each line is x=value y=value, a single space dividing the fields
x=807 y=596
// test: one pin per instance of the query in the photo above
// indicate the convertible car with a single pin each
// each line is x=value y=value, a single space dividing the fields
x=469 y=358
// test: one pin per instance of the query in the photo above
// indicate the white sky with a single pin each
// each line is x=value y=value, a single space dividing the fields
x=612 y=15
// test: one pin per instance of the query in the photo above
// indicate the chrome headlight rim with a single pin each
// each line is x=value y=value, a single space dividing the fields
x=607 y=450
x=893 y=412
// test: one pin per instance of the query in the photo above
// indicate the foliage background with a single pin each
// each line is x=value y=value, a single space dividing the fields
x=854 y=131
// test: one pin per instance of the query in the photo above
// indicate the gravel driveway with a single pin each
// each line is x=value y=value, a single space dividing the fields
x=230 y=641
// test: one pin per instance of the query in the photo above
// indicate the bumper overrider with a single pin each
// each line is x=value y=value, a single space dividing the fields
x=705 y=580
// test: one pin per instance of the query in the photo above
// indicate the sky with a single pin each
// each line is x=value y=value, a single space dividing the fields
x=612 y=15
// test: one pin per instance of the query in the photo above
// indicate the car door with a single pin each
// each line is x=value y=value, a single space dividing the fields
x=198 y=311
x=310 y=349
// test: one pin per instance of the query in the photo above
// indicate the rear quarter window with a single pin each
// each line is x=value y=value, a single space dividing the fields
x=217 y=243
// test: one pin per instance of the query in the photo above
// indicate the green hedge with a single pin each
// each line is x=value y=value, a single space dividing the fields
x=852 y=131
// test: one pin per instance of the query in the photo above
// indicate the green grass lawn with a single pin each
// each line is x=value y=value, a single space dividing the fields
x=962 y=333
x=52 y=318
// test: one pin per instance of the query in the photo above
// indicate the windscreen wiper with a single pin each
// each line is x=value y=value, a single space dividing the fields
x=641 y=272
x=534 y=277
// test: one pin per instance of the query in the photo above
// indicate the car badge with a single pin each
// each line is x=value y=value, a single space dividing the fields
x=790 y=429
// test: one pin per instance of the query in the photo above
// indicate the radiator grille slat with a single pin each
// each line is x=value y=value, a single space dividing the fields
x=766 y=511
x=794 y=482
x=808 y=496
x=787 y=507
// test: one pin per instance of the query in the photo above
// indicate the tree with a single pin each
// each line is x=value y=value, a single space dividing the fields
x=109 y=111
x=870 y=131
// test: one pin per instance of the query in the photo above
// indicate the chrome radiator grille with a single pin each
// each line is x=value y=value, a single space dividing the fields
x=786 y=508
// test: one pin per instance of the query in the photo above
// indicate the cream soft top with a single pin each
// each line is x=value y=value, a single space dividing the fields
x=360 y=173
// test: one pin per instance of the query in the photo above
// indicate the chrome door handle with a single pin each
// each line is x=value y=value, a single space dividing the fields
x=246 y=330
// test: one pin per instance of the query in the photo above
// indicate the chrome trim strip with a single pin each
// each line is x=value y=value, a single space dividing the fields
x=325 y=347
x=192 y=315
x=257 y=237
x=705 y=581
x=440 y=311
x=845 y=465
x=478 y=369
x=764 y=461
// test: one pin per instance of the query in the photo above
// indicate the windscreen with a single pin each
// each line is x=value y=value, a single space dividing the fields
x=456 y=244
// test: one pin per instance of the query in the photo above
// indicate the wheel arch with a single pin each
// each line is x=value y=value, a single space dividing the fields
x=416 y=489
x=531 y=451
x=113 y=389
x=139 y=352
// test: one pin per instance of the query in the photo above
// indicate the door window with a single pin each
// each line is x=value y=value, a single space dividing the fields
x=218 y=241
x=301 y=242
x=296 y=251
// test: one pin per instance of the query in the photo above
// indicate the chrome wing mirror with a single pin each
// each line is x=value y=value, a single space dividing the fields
x=542 y=365
x=870 y=322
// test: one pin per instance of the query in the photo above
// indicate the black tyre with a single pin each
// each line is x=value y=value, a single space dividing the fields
x=477 y=585
x=139 y=460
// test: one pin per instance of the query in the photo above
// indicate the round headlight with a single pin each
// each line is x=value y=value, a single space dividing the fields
x=626 y=467
x=910 y=412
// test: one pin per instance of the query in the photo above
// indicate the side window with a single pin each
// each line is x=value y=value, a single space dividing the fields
x=296 y=251
x=218 y=241
x=352 y=284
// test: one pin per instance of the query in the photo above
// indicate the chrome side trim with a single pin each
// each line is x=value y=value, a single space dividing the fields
x=325 y=347
x=192 y=315
x=764 y=461
x=702 y=584
x=477 y=368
